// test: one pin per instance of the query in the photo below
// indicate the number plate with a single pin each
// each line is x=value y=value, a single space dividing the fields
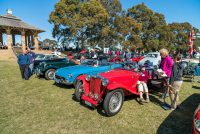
x=88 y=103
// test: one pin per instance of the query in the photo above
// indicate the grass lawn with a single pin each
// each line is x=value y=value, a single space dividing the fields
x=38 y=106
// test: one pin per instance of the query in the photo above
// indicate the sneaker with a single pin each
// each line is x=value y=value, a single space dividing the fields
x=147 y=100
x=172 y=108
x=141 y=99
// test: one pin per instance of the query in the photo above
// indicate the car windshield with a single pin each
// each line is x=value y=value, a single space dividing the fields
x=130 y=66
x=39 y=57
x=48 y=57
x=87 y=62
x=93 y=62
x=152 y=55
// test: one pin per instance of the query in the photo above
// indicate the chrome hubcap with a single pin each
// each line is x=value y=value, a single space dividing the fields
x=51 y=74
x=115 y=102
x=80 y=89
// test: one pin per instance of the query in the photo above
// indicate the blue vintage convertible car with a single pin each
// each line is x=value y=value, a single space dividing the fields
x=68 y=75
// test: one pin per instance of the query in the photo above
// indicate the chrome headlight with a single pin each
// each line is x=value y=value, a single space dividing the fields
x=70 y=75
x=105 y=82
x=96 y=96
x=87 y=77
x=197 y=125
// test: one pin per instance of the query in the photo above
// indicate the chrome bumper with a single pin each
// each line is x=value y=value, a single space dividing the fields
x=62 y=81
x=38 y=72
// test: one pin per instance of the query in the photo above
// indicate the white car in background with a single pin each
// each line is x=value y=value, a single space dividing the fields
x=197 y=55
x=153 y=57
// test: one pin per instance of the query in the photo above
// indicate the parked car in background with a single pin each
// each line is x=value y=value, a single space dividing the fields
x=196 y=54
x=153 y=57
x=108 y=88
x=44 y=57
x=56 y=53
x=68 y=75
x=196 y=121
x=48 y=68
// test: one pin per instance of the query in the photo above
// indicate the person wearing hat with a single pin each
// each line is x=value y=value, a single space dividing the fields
x=142 y=85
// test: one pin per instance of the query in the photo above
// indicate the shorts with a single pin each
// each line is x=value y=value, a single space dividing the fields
x=177 y=85
x=142 y=87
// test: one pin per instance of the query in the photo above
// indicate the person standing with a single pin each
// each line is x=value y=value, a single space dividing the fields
x=32 y=57
x=176 y=81
x=166 y=63
x=23 y=61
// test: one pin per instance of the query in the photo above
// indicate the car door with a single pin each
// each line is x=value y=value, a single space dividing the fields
x=135 y=76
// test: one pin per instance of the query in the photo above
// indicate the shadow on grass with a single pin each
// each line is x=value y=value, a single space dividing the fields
x=187 y=80
x=64 y=86
x=196 y=87
x=180 y=121
x=155 y=100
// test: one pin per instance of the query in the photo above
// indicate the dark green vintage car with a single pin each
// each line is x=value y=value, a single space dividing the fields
x=48 y=68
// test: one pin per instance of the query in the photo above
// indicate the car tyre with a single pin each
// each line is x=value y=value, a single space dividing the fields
x=78 y=91
x=49 y=74
x=113 y=102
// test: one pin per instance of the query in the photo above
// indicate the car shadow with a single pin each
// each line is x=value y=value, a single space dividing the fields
x=101 y=111
x=179 y=121
x=196 y=87
x=64 y=86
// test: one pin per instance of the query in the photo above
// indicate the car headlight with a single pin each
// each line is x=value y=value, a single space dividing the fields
x=105 y=82
x=197 y=125
x=87 y=77
x=96 y=96
x=70 y=75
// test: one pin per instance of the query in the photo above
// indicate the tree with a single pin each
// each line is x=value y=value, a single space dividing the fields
x=155 y=33
x=113 y=7
x=49 y=43
x=181 y=32
x=78 y=22
x=127 y=30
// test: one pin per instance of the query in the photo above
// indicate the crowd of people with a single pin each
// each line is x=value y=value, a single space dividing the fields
x=26 y=63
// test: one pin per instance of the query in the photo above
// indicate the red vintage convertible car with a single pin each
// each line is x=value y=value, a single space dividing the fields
x=196 y=121
x=108 y=88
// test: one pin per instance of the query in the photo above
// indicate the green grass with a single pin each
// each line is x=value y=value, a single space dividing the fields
x=38 y=106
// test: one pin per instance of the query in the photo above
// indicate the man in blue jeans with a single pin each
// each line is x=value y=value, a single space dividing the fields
x=23 y=61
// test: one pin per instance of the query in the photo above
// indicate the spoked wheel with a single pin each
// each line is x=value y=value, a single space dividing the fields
x=49 y=74
x=113 y=102
x=78 y=91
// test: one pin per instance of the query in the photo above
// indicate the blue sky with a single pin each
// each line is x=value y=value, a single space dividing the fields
x=36 y=12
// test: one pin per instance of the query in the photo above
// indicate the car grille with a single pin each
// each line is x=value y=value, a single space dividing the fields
x=95 y=85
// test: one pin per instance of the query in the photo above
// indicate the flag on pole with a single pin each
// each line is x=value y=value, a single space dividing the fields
x=191 y=41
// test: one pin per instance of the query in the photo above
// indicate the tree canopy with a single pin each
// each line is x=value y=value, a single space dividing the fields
x=103 y=23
